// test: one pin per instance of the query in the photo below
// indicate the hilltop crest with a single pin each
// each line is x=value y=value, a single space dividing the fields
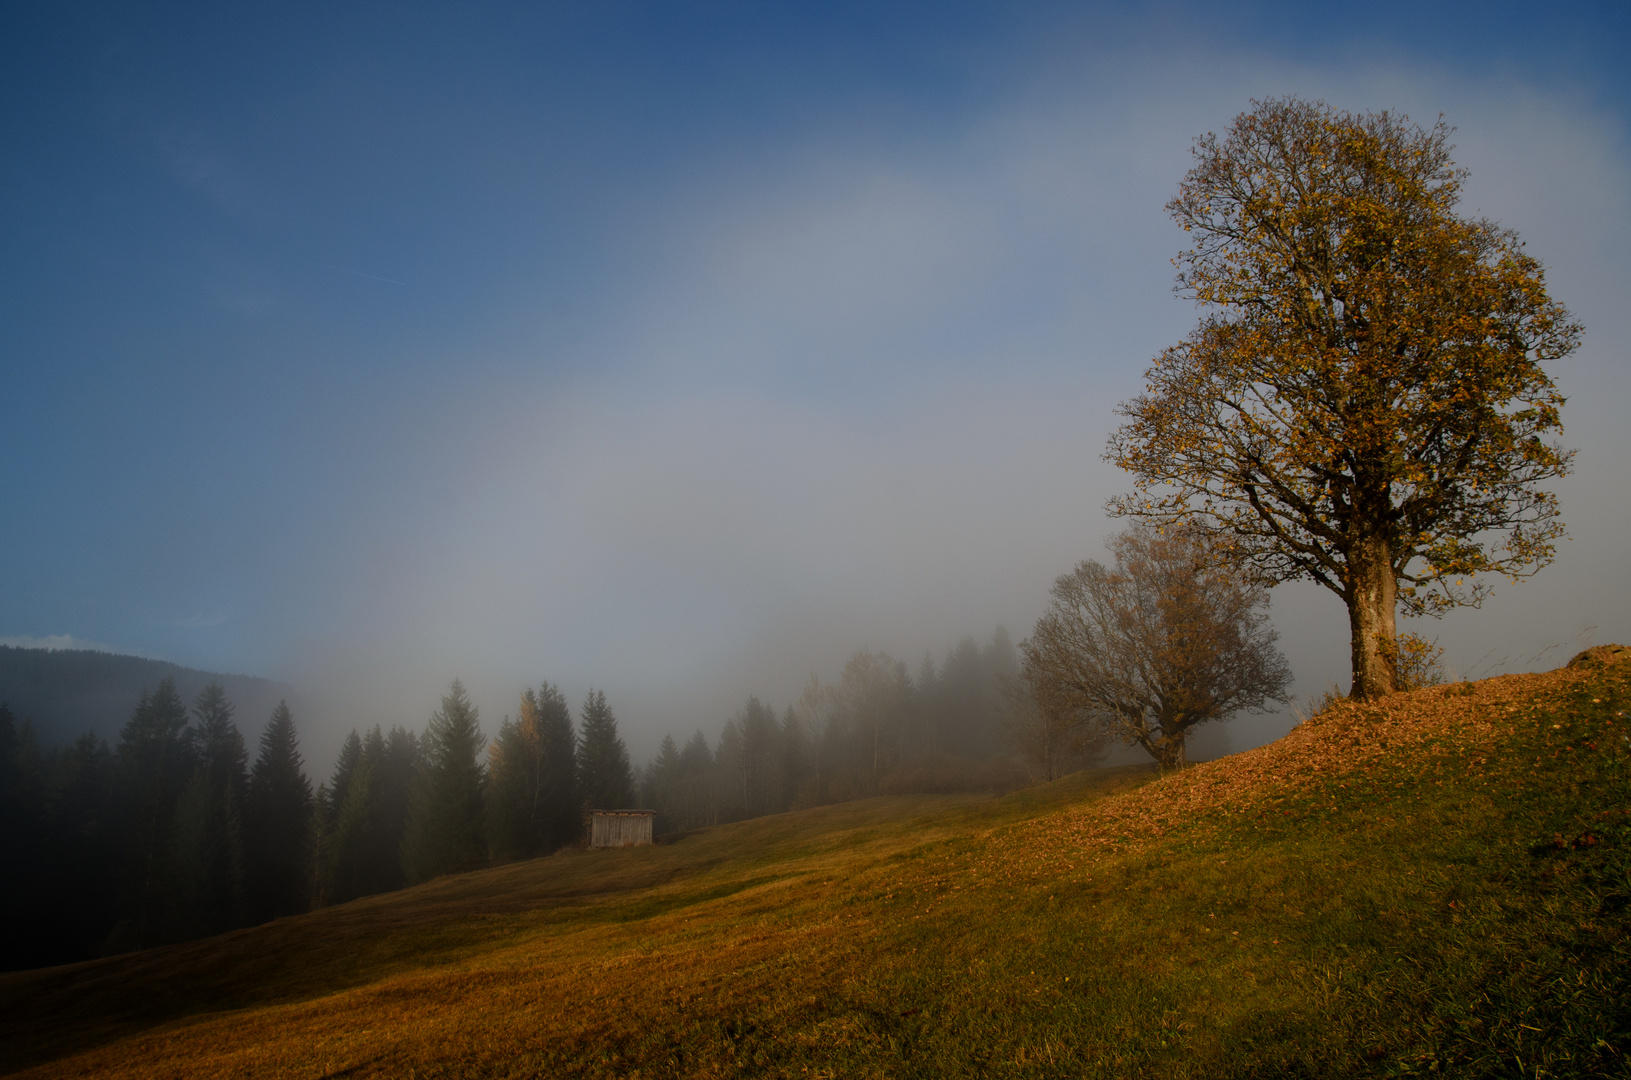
x=67 y=692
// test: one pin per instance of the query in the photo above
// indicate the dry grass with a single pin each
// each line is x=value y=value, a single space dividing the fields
x=1391 y=889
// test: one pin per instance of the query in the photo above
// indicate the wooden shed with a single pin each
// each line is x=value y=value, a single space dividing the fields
x=620 y=828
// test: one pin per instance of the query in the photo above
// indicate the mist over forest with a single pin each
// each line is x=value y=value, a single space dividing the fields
x=513 y=380
x=694 y=408
x=844 y=539
x=171 y=829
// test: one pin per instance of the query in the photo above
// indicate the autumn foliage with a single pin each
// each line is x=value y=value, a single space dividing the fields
x=1434 y=884
x=1143 y=651
x=1364 y=402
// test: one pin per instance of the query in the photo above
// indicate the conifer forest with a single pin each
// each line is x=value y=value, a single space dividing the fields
x=178 y=831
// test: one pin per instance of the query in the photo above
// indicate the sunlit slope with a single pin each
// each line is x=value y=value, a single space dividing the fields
x=1438 y=883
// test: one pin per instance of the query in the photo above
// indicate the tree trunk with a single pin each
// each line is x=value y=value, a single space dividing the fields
x=1168 y=748
x=1175 y=750
x=1372 y=598
x=875 y=729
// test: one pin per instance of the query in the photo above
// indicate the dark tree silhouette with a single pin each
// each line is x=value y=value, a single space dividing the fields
x=532 y=788
x=660 y=786
x=24 y=850
x=604 y=778
x=156 y=760
x=446 y=831
x=85 y=831
x=560 y=814
x=209 y=838
x=278 y=824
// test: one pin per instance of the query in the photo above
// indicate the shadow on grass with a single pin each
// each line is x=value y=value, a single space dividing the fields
x=52 y=1011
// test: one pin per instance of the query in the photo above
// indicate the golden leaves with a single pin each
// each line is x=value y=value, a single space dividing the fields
x=1372 y=365
x=1347 y=741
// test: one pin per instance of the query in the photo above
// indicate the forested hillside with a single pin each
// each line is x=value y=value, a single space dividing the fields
x=1435 y=883
x=168 y=835
x=66 y=692
x=963 y=724
x=172 y=829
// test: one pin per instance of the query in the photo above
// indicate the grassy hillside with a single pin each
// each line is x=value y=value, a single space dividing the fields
x=1435 y=884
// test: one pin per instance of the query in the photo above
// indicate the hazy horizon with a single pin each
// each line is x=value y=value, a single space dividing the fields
x=681 y=353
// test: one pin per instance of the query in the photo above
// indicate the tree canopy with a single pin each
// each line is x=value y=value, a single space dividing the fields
x=445 y=828
x=173 y=836
x=1168 y=638
x=605 y=780
x=209 y=839
x=277 y=823
x=1364 y=402
x=532 y=805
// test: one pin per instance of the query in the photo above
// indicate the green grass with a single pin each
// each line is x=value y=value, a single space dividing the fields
x=1436 y=885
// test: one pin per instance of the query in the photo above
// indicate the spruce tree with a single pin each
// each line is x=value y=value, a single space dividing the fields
x=512 y=783
x=209 y=822
x=322 y=846
x=24 y=851
x=85 y=830
x=699 y=804
x=348 y=850
x=155 y=762
x=445 y=824
x=278 y=824
x=560 y=810
x=762 y=778
x=392 y=783
x=379 y=855
x=344 y=766
x=795 y=759
x=369 y=825
x=659 y=786
x=604 y=777
x=730 y=774
x=532 y=802
x=332 y=863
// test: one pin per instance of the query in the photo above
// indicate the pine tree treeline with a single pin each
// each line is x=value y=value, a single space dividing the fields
x=445 y=820
x=174 y=833
x=170 y=835
x=605 y=780
x=277 y=855
x=533 y=805
x=876 y=730
x=362 y=815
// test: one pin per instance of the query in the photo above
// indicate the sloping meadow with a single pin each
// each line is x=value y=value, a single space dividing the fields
x=1433 y=884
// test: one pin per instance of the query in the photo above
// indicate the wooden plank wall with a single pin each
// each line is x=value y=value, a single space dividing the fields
x=620 y=829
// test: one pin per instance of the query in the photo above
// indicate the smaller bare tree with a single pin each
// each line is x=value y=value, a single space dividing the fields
x=1052 y=745
x=1169 y=638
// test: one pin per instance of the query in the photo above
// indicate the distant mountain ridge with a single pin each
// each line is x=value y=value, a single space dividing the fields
x=67 y=692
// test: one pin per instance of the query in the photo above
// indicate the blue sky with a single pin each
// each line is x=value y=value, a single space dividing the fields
x=680 y=349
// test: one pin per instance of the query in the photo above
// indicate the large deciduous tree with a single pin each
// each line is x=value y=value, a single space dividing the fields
x=1168 y=638
x=1365 y=401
